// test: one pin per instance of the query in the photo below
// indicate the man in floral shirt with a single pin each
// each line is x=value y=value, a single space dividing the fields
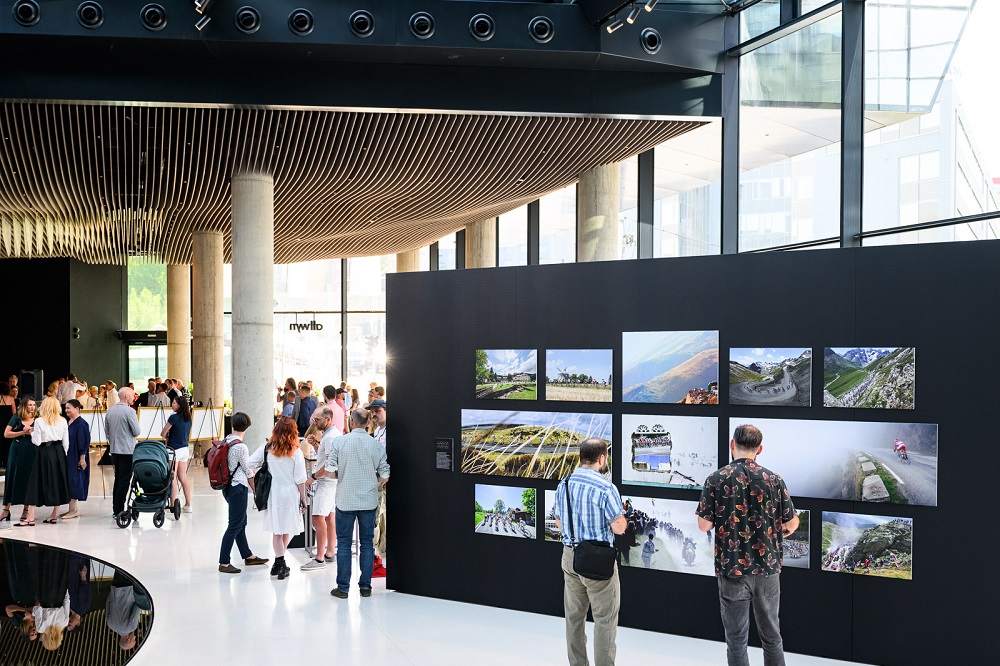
x=750 y=510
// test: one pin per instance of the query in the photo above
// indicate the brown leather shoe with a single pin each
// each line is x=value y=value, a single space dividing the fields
x=229 y=568
x=250 y=561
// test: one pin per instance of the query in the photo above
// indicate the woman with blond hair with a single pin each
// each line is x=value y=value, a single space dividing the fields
x=92 y=400
x=48 y=484
x=20 y=461
x=287 y=500
x=112 y=394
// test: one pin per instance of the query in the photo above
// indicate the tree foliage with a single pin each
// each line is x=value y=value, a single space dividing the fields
x=482 y=367
x=528 y=500
x=147 y=295
x=479 y=507
x=499 y=507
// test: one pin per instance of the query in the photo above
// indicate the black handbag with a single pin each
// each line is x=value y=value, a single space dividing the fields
x=262 y=485
x=591 y=559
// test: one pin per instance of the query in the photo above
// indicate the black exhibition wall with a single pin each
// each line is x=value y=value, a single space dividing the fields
x=941 y=299
x=45 y=299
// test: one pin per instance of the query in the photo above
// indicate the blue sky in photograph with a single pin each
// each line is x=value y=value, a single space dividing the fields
x=487 y=496
x=596 y=425
x=595 y=363
x=508 y=361
x=746 y=356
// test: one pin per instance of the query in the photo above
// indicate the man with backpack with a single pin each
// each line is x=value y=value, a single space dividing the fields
x=229 y=467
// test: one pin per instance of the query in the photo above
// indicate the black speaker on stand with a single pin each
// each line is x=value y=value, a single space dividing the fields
x=31 y=382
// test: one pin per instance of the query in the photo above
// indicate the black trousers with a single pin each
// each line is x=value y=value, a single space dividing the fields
x=123 y=476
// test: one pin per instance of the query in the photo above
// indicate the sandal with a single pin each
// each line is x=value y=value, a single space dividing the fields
x=25 y=523
x=51 y=521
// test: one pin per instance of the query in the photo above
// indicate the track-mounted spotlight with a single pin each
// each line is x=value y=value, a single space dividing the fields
x=422 y=25
x=202 y=6
x=90 y=14
x=633 y=14
x=482 y=27
x=650 y=4
x=203 y=23
x=26 y=12
x=300 y=21
x=362 y=23
x=153 y=17
x=614 y=25
x=651 y=40
x=541 y=29
x=247 y=20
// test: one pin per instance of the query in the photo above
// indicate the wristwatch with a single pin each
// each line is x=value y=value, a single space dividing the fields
x=313 y=476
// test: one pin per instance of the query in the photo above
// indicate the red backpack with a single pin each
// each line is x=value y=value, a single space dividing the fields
x=217 y=462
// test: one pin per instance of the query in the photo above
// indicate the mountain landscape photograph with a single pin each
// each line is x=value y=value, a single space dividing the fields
x=869 y=545
x=670 y=367
x=770 y=376
x=869 y=377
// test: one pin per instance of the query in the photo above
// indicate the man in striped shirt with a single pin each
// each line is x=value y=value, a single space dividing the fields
x=596 y=513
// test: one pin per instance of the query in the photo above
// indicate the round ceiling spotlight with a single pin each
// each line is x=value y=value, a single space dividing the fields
x=247 y=20
x=26 y=12
x=422 y=25
x=153 y=17
x=482 y=27
x=300 y=21
x=362 y=23
x=651 y=40
x=90 y=14
x=541 y=29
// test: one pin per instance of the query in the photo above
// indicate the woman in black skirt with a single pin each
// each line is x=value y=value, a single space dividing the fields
x=49 y=483
x=20 y=461
x=6 y=413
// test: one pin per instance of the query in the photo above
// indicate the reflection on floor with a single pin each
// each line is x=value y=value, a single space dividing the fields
x=204 y=617
x=68 y=608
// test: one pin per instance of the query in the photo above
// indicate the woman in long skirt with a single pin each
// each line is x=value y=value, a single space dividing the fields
x=20 y=461
x=77 y=466
x=49 y=482
x=287 y=501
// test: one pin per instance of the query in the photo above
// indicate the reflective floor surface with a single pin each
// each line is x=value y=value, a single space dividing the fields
x=204 y=617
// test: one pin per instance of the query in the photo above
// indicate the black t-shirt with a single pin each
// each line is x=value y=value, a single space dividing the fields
x=749 y=506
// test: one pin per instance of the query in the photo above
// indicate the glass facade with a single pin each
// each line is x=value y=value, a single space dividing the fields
x=512 y=238
x=557 y=227
x=628 y=207
x=446 y=253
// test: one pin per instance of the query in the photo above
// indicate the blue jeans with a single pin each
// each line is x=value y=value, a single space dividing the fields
x=236 y=498
x=366 y=556
x=735 y=597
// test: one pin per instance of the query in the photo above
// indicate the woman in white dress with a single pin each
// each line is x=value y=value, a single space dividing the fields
x=48 y=484
x=287 y=501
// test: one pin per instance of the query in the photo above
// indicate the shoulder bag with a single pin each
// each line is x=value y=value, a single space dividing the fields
x=262 y=485
x=591 y=559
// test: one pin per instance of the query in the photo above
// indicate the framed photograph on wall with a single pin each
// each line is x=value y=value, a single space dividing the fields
x=580 y=375
x=869 y=377
x=505 y=511
x=770 y=376
x=871 y=545
x=671 y=367
x=669 y=451
x=506 y=374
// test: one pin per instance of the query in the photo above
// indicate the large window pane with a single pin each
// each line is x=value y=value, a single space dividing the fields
x=512 y=237
x=628 y=207
x=312 y=285
x=446 y=253
x=687 y=194
x=307 y=347
x=790 y=138
x=557 y=227
x=758 y=19
x=147 y=295
x=366 y=281
x=930 y=144
x=365 y=350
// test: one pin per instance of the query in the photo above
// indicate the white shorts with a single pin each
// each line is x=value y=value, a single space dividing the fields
x=182 y=454
x=325 y=498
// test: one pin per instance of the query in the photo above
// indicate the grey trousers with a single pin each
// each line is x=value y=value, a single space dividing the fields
x=735 y=597
x=604 y=598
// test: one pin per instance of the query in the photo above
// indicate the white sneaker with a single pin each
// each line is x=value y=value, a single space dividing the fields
x=186 y=508
x=313 y=565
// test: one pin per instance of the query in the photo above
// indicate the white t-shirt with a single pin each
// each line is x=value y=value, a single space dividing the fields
x=113 y=399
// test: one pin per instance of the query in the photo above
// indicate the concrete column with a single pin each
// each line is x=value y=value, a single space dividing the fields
x=206 y=317
x=179 y=322
x=253 y=303
x=481 y=244
x=597 y=214
x=408 y=262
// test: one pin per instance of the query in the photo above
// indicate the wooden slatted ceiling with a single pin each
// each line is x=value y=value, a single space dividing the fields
x=100 y=183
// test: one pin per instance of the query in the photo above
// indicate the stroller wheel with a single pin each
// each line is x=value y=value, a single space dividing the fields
x=158 y=518
x=123 y=519
x=176 y=509
x=135 y=514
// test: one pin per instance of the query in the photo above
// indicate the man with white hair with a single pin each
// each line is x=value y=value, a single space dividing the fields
x=122 y=427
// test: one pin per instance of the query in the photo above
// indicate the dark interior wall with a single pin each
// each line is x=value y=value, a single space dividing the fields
x=941 y=299
x=62 y=294
x=98 y=307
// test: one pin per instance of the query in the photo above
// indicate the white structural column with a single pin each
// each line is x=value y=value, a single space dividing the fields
x=206 y=317
x=408 y=262
x=481 y=244
x=597 y=216
x=179 y=322
x=253 y=302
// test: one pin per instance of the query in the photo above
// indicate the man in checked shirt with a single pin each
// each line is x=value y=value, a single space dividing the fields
x=750 y=510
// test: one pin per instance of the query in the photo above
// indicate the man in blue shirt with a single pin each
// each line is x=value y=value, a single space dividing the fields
x=596 y=513
x=308 y=406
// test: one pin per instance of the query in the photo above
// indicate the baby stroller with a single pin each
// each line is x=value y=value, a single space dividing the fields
x=152 y=478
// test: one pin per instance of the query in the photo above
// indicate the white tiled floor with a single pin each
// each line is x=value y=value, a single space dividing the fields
x=202 y=616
